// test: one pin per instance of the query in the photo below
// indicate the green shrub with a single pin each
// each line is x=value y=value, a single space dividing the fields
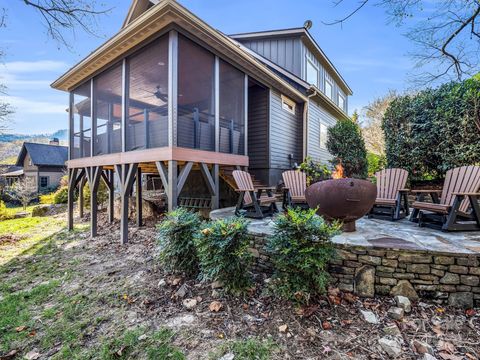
x=434 y=130
x=223 y=252
x=175 y=238
x=315 y=170
x=4 y=214
x=102 y=194
x=300 y=248
x=346 y=144
x=61 y=196
x=375 y=163
x=47 y=198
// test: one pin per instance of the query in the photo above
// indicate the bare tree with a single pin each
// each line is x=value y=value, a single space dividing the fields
x=446 y=34
x=372 y=124
x=23 y=190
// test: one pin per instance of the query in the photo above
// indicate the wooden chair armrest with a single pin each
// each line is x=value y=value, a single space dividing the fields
x=466 y=194
x=238 y=190
x=404 y=190
x=266 y=188
x=426 y=191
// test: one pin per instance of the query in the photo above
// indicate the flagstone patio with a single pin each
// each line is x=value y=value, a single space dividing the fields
x=399 y=235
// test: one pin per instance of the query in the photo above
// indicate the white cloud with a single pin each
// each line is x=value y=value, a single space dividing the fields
x=21 y=67
x=25 y=106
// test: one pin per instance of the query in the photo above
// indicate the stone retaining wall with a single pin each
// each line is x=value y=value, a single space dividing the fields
x=452 y=279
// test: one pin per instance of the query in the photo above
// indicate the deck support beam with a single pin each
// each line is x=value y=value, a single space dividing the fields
x=94 y=174
x=75 y=176
x=212 y=180
x=172 y=180
x=138 y=197
x=126 y=176
x=81 y=198
x=107 y=177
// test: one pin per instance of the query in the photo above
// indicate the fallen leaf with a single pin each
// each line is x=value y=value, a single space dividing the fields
x=438 y=330
x=326 y=325
x=447 y=356
x=32 y=333
x=439 y=310
x=215 y=306
x=349 y=297
x=347 y=322
x=470 y=312
x=446 y=346
x=20 y=328
x=308 y=311
x=11 y=354
x=470 y=356
x=245 y=307
x=283 y=328
x=32 y=355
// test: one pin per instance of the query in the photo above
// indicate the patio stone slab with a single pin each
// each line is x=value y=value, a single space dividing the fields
x=375 y=233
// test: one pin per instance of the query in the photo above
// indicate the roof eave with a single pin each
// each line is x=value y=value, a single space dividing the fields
x=151 y=22
x=316 y=93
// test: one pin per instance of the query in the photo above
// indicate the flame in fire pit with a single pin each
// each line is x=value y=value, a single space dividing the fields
x=338 y=173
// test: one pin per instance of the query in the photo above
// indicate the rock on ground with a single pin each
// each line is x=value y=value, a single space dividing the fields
x=404 y=303
x=369 y=317
x=391 y=346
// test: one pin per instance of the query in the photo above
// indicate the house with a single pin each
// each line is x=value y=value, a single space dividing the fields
x=43 y=164
x=169 y=95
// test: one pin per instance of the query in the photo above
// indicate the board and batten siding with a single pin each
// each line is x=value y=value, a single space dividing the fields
x=316 y=115
x=258 y=127
x=307 y=55
x=286 y=131
x=285 y=52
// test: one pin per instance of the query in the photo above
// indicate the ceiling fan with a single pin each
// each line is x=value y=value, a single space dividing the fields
x=158 y=94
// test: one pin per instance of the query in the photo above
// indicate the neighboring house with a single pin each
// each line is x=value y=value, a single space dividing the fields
x=43 y=164
x=172 y=96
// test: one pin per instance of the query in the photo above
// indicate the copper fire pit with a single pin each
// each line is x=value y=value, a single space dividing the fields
x=342 y=199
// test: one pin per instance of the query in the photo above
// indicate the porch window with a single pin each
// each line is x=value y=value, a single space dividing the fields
x=196 y=96
x=341 y=101
x=108 y=111
x=232 y=109
x=82 y=121
x=147 y=122
x=288 y=104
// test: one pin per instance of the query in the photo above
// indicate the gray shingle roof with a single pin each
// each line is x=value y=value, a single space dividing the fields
x=43 y=154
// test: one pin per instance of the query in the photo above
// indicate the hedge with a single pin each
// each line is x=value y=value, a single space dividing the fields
x=434 y=130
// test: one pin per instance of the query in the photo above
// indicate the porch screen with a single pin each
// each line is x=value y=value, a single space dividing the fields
x=108 y=111
x=232 y=109
x=82 y=122
x=147 y=123
x=196 y=96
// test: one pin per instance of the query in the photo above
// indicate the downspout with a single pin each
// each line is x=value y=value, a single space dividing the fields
x=305 y=122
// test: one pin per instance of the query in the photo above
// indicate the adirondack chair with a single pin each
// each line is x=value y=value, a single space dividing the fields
x=458 y=207
x=294 y=190
x=251 y=202
x=392 y=197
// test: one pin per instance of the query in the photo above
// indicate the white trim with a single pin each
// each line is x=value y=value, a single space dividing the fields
x=315 y=67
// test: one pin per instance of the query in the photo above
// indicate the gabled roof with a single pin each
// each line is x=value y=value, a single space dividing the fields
x=137 y=8
x=43 y=154
x=308 y=40
x=150 y=23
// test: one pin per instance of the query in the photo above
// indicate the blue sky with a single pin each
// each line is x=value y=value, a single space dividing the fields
x=369 y=53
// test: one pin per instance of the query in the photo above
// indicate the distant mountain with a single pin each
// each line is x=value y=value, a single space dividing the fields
x=10 y=144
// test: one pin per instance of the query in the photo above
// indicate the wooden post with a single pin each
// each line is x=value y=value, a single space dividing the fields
x=126 y=175
x=172 y=189
x=93 y=177
x=111 y=196
x=212 y=181
x=216 y=180
x=81 y=198
x=138 y=196
x=72 y=176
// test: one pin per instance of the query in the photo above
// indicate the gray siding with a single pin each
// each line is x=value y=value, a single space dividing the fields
x=258 y=102
x=286 y=132
x=322 y=76
x=316 y=115
x=285 y=52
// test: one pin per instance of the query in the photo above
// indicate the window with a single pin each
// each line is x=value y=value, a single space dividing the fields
x=232 y=109
x=341 y=101
x=43 y=181
x=312 y=73
x=323 y=135
x=288 y=104
x=196 y=96
x=328 y=89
